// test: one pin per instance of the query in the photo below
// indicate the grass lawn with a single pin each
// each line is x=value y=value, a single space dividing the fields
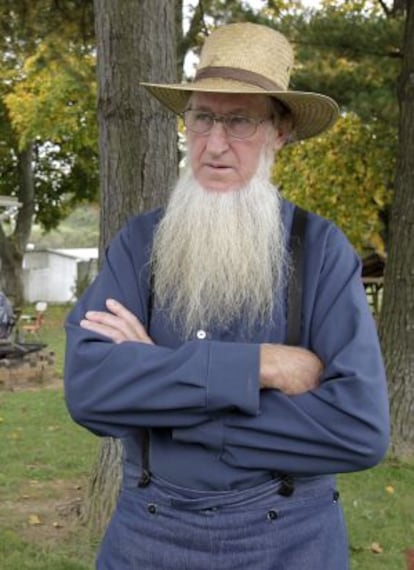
x=379 y=509
x=45 y=460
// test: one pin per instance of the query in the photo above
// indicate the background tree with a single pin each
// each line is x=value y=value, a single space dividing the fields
x=349 y=50
x=352 y=52
x=48 y=154
x=138 y=153
x=344 y=175
x=397 y=316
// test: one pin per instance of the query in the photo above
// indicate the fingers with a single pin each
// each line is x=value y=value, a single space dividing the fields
x=119 y=324
x=106 y=330
x=129 y=319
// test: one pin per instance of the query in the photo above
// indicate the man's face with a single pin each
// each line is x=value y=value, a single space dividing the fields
x=220 y=162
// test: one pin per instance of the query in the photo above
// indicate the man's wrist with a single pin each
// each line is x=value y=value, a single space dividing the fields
x=269 y=367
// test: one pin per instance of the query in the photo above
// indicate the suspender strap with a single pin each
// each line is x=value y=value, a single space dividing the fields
x=294 y=306
x=295 y=288
x=145 y=478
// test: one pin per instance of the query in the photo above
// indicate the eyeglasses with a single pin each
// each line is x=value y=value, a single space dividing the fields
x=237 y=126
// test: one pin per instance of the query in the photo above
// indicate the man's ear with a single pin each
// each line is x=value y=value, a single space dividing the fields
x=283 y=130
x=280 y=140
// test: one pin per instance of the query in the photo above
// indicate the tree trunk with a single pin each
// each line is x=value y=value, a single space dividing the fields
x=12 y=247
x=397 y=317
x=11 y=278
x=103 y=486
x=137 y=136
x=138 y=153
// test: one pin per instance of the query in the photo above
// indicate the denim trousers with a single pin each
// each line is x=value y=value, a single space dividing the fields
x=163 y=526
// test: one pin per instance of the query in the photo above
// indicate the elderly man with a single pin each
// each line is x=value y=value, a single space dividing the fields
x=233 y=426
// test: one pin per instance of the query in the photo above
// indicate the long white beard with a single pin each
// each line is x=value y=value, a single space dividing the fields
x=219 y=257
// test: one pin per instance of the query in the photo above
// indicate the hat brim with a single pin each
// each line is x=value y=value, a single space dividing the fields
x=312 y=113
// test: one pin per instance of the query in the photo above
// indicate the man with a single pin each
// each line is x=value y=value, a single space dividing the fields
x=232 y=437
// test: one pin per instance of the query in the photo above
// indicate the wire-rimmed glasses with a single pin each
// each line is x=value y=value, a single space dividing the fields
x=237 y=126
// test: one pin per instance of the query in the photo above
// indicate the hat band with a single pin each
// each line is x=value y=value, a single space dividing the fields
x=236 y=74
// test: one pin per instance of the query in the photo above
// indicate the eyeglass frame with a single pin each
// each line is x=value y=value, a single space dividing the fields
x=223 y=118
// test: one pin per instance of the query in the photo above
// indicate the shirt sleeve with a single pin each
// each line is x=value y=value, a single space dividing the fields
x=344 y=424
x=115 y=389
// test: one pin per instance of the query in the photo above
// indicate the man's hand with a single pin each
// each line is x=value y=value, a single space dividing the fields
x=118 y=324
x=290 y=369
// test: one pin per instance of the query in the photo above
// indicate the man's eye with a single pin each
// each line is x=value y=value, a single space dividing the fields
x=203 y=117
x=238 y=121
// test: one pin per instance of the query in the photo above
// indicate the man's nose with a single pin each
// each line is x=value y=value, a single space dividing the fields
x=217 y=138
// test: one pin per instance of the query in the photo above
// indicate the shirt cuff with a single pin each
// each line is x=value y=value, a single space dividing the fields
x=233 y=377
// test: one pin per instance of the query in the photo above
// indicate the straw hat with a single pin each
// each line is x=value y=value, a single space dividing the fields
x=250 y=58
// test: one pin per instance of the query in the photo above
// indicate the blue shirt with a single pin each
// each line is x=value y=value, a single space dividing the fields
x=211 y=427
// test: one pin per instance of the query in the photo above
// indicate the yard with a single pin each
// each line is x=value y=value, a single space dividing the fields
x=45 y=460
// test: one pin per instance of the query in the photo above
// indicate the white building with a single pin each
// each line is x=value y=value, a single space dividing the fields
x=52 y=274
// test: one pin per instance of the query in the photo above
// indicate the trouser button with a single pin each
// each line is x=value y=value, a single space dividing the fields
x=272 y=515
x=152 y=509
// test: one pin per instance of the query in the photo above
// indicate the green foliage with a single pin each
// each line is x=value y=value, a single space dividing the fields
x=79 y=229
x=55 y=98
x=344 y=175
x=48 y=100
x=351 y=52
x=82 y=282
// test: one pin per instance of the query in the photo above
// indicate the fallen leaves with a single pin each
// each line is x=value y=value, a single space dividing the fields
x=34 y=520
x=376 y=548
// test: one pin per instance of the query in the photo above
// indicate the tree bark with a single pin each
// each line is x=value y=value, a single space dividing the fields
x=11 y=277
x=103 y=486
x=135 y=42
x=138 y=155
x=12 y=247
x=397 y=316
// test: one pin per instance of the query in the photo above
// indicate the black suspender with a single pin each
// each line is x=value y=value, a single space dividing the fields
x=293 y=330
x=145 y=477
x=295 y=287
x=294 y=307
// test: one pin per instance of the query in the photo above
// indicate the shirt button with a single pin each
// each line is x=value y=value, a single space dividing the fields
x=201 y=335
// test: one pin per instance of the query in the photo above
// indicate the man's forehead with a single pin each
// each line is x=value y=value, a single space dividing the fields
x=230 y=102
